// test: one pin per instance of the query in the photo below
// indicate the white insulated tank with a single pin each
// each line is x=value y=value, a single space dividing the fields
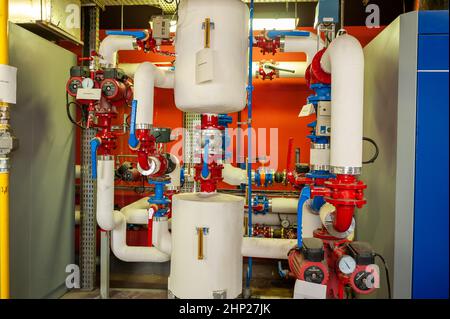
x=206 y=265
x=211 y=80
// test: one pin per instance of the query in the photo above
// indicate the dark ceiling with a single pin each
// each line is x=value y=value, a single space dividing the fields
x=137 y=17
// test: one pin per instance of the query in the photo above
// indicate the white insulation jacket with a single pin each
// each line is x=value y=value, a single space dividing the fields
x=344 y=59
x=105 y=194
x=284 y=205
x=308 y=45
x=273 y=248
x=146 y=78
x=133 y=253
x=111 y=45
x=225 y=91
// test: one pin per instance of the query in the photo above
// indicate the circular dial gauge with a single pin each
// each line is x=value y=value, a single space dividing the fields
x=88 y=83
x=347 y=265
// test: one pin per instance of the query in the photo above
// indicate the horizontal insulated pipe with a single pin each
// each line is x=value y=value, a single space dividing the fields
x=234 y=175
x=308 y=45
x=132 y=253
x=267 y=247
x=284 y=205
x=113 y=44
x=344 y=59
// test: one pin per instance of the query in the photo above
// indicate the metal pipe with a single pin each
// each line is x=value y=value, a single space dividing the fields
x=4 y=169
x=249 y=120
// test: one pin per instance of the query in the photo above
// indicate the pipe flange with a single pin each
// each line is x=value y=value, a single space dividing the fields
x=105 y=158
x=144 y=126
x=346 y=170
x=5 y=165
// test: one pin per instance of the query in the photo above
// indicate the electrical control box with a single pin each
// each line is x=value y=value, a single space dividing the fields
x=323 y=127
x=327 y=11
x=160 y=28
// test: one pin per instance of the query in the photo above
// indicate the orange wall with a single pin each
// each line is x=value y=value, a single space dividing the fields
x=277 y=103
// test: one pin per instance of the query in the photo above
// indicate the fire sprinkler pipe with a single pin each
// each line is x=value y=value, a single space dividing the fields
x=4 y=173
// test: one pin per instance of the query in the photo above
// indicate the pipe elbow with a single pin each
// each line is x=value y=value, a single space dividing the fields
x=345 y=50
x=111 y=45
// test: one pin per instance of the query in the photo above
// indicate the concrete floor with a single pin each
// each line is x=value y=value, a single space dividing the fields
x=149 y=281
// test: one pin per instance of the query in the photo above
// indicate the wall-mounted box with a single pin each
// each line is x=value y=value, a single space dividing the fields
x=51 y=19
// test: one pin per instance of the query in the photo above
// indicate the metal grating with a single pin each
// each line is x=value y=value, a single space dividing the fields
x=191 y=123
x=88 y=206
x=157 y=3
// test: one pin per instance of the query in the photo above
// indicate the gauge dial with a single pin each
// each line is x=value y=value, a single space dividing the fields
x=347 y=265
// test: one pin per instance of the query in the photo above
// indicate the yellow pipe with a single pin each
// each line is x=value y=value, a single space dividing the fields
x=4 y=177
x=4 y=235
x=4 y=48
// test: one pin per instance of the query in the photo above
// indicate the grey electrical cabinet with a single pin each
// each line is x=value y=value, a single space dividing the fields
x=42 y=185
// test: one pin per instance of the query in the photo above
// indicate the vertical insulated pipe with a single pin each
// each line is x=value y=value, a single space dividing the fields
x=249 y=119
x=4 y=175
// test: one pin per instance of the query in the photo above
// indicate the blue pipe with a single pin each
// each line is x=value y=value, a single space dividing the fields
x=305 y=194
x=205 y=170
x=133 y=142
x=140 y=35
x=282 y=272
x=279 y=33
x=95 y=143
x=249 y=119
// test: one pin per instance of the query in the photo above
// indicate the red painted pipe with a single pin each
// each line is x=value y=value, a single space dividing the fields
x=343 y=217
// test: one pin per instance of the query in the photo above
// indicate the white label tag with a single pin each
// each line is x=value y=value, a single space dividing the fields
x=8 y=84
x=329 y=19
x=307 y=110
x=204 y=70
x=309 y=290
x=89 y=94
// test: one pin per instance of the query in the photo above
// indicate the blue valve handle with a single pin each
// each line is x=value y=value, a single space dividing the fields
x=305 y=194
x=279 y=33
x=133 y=142
x=205 y=170
x=140 y=35
x=95 y=143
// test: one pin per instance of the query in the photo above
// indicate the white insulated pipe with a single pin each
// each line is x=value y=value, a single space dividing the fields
x=344 y=59
x=175 y=176
x=105 y=194
x=146 y=78
x=284 y=205
x=308 y=45
x=234 y=175
x=272 y=219
x=132 y=253
x=111 y=45
x=267 y=247
x=162 y=238
x=137 y=212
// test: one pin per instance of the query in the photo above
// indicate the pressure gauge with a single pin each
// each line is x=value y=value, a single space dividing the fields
x=73 y=85
x=347 y=264
x=88 y=83
x=285 y=223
